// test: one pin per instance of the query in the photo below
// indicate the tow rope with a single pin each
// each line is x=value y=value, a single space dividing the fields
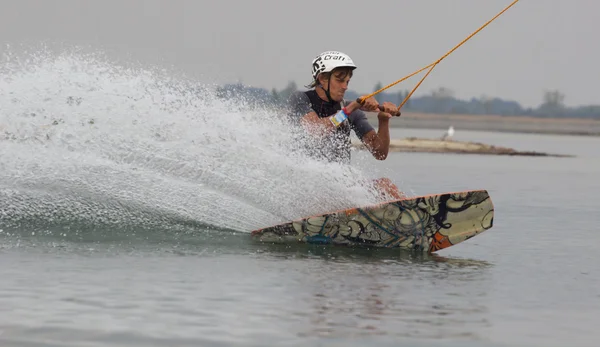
x=431 y=66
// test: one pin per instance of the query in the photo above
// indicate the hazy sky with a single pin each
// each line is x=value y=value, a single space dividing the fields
x=534 y=46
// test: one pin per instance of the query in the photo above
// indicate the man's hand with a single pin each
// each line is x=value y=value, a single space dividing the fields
x=384 y=116
x=370 y=105
x=390 y=108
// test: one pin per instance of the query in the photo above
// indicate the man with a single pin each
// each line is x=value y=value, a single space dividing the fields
x=329 y=119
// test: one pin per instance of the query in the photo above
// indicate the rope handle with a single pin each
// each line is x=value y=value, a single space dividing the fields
x=396 y=114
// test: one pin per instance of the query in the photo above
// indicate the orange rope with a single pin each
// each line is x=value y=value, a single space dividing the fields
x=432 y=65
x=417 y=86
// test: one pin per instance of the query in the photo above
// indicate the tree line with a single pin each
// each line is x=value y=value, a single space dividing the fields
x=439 y=101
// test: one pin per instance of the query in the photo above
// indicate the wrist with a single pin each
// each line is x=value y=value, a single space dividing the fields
x=338 y=118
x=353 y=106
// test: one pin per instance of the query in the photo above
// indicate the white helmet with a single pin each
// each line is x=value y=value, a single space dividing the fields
x=327 y=61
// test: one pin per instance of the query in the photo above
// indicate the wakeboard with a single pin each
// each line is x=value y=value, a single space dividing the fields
x=425 y=223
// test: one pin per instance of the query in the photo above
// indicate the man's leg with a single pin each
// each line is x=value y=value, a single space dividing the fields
x=387 y=189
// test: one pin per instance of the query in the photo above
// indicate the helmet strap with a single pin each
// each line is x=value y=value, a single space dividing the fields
x=327 y=90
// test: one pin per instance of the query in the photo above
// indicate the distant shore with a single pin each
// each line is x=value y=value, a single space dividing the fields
x=517 y=124
x=412 y=144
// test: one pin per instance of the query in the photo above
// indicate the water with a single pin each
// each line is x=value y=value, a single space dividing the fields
x=148 y=150
x=127 y=223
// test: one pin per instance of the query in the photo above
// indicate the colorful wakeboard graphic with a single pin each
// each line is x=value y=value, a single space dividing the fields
x=426 y=223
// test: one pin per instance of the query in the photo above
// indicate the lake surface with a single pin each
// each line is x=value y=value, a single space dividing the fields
x=533 y=279
x=126 y=205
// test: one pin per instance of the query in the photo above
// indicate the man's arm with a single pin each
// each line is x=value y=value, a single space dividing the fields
x=316 y=125
x=301 y=110
x=322 y=126
x=378 y=143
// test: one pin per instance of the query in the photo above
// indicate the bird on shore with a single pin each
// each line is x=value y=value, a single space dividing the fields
x=448 y=134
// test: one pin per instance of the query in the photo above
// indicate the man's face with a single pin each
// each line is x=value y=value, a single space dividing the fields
x=338 y=83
